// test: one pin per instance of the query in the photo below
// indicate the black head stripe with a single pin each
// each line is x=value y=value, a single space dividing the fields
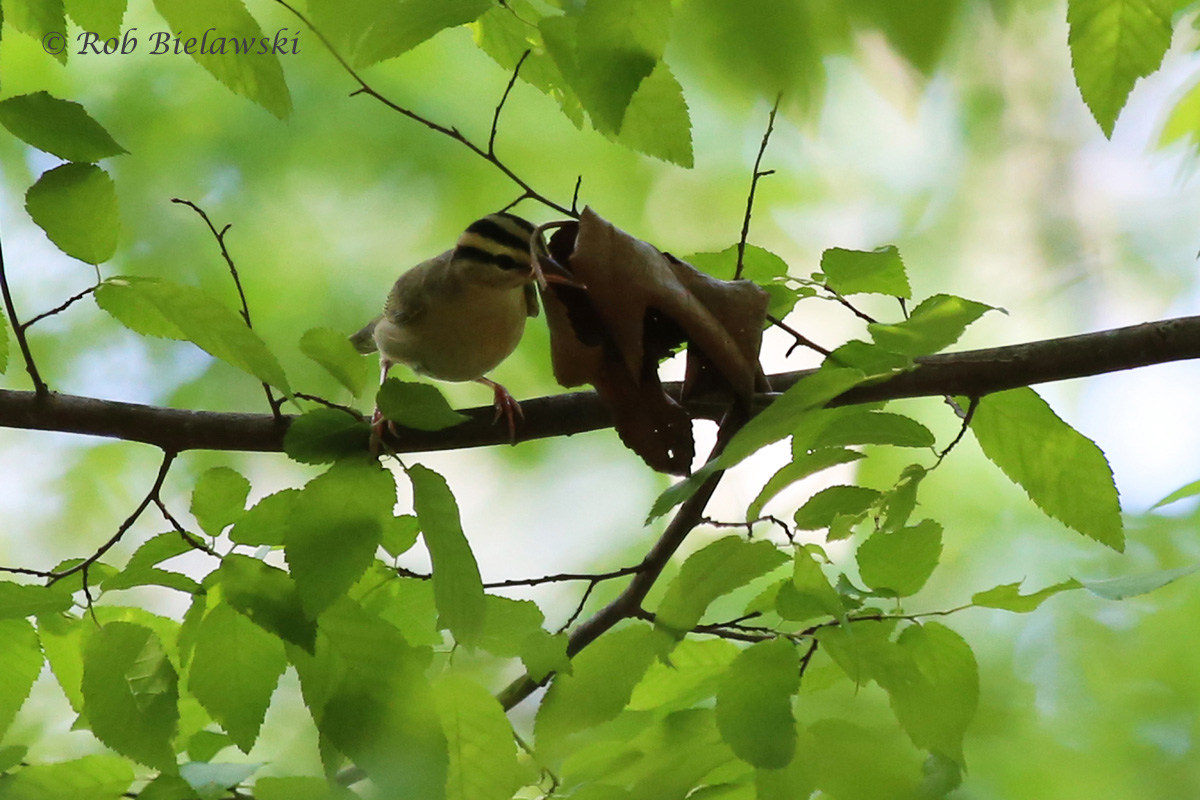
x=501 y=260
x=523 y=224
x=495 y=230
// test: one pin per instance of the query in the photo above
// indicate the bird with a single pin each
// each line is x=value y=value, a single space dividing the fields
x=456 y=316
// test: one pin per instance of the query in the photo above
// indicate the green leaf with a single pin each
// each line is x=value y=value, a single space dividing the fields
x=300 y=788
x=168 y=787
x=602 y=679
x=63 y=641
x=324 y=435
x=76 y=205
x=509 y=622
x=758 y=265
x=879 y=271
x=695 y=672
x=798 y=469
x=336 y=527
x=234 y=670
x=715 y=570
x=808 y=594
x=130 y=694
x=154 y=307
x=1113 y=43
x=333 y=351
x=1190 y=490
x=20 y=662
x=400 y=534
x=37 y=18
x=860 y=649
x=933 y=683
x=102 y=17
x=820 y=510
x=543 y=652
x=1008 y=597
x=1133 y=585
x=917 y=29
x=853 y=762
x=24 y=600
x=416 y=405
x=754 y=704
x=92 y=777
x=457 y=587
x=268 y=598
x=60 y=127
x=266 y=522
x=1183 y=121
x=233 y=48
x=141 y=569
x=483 y=754
x=934 y=325
x=213 y=781
x=12 y=756
x=407 y=603
x=656 y=120
x=901 y=499
x=1061 y=470
x=898 y=564
x=369 y=31
x=874 y=427
x=205 y=745
x=219 y=499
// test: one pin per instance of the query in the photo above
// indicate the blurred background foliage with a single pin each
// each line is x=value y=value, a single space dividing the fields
x=952 y=129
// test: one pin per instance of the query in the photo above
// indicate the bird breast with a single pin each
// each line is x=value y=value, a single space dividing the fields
x=459 y=336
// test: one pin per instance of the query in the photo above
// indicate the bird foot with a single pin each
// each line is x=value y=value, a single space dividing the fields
x=506 y=406
x=378 y=424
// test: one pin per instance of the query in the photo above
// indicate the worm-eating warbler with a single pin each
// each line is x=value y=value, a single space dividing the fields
x=457 y=315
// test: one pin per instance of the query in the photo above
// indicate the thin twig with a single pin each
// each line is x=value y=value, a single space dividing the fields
x=749 y=525
x=575 y=197
x=762 y=148
x=962 y=431
x=39 y=386
x=491 y=148
x=237 y=281
x=312 y=398
x=191 y=540
x=592 y=577
x=453 y=133
x=61 y=307
x=853 y=310
x=799 y=337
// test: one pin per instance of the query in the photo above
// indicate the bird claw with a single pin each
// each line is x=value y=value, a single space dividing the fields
x=506 y=406
x=378 y=423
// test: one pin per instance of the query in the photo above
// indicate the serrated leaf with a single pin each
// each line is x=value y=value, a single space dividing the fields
x=1061 y=470
x=60 y=127
x=168 y=787
x=236 y=53
x=335 y=528
x=1134 y=585
x=508 y=622
x=860 y=649
x=130 y=694
x=808 y=594
x=934 y=325
x=457 y=587
x=38 y=18
x=234 y=670
x=879 y=271
x=300 y=788
x=754 y=704
x=76 y=205
x=483 y=754
x=213 y=781
x=715 y=570
x=333 y=351
x=874 y=427
x=820 y=510
x=656 y=120
x=1113 y=44
x=900 y=501
x=11 y=756
x=416 y=405
x=369 y=31
x=1190 y=490
x=102 y=17
x=407 y=603
x=933 y=683
x=400 y=534
x=799 y=468
x=266 y=522
x=324 y=435
x=219 y=499
x=543 y=652
x=62 y=641
x=20 y=662
x=268 y=598
x=900 y=563
x=24 y=600
x=154 y=307
x=205 y=745
x=1008 y=597
x=696 y=669
x=758 y=265
x=94 y=777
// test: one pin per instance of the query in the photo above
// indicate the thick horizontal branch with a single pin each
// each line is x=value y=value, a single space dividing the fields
x=972 y=373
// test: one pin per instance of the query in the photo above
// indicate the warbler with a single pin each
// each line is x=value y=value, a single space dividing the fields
x=456 y=316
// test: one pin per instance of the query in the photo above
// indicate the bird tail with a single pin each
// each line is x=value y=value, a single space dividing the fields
x=364 y=340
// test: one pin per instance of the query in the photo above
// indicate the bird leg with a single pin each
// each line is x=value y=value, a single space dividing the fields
x=506 y=406
x=377 y=420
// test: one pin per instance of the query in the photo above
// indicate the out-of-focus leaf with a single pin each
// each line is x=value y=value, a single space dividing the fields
x=1113 y=43
x=233 y=48
x=754 y=703
x=900 y=563
x=60 y=127
x=875 y=427
x=1061 y=470
x=820 y=510
x=300 y=788
x=917 y=29
x=154 y=307
x=268 y=598
x=457 y=587
x=324 y=435
x=879 y=271
x=715 y=570
x=76 y=205
x=219 y=499
x=417 y=405
x=934 y=325
x=333 y=351
x=20 y=662
x=1190 y=490
x=1008 y=597
x=799 y=468
x=656 y=121
x=96 y=777
x=368 y=31
x=1133 y=585
x=3 y=343
x=214 y=781
x=266 y=522
x=483 y=754
x=102 y=17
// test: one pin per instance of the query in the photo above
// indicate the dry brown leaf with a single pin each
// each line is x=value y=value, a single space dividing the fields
x=624 y=306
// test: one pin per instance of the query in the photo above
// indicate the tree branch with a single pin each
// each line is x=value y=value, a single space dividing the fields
x=973 y=373
x=39 y=386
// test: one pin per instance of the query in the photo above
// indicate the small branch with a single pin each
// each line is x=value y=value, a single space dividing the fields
x=39 y=386
x=61 y=307
x=312 y=398
x=762 y=148
x=191 y=540
x=591 y=577
x=800 y=338
x=237 y=281
x=852 y=308
x=491 y=148
x=453 y=133
x=575 y=197
x=962 y=431
x=749 y=525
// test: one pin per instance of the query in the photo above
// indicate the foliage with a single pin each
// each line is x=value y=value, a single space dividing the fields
x=807 y=661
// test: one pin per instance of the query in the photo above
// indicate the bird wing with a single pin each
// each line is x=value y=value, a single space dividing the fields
x=364 y=340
